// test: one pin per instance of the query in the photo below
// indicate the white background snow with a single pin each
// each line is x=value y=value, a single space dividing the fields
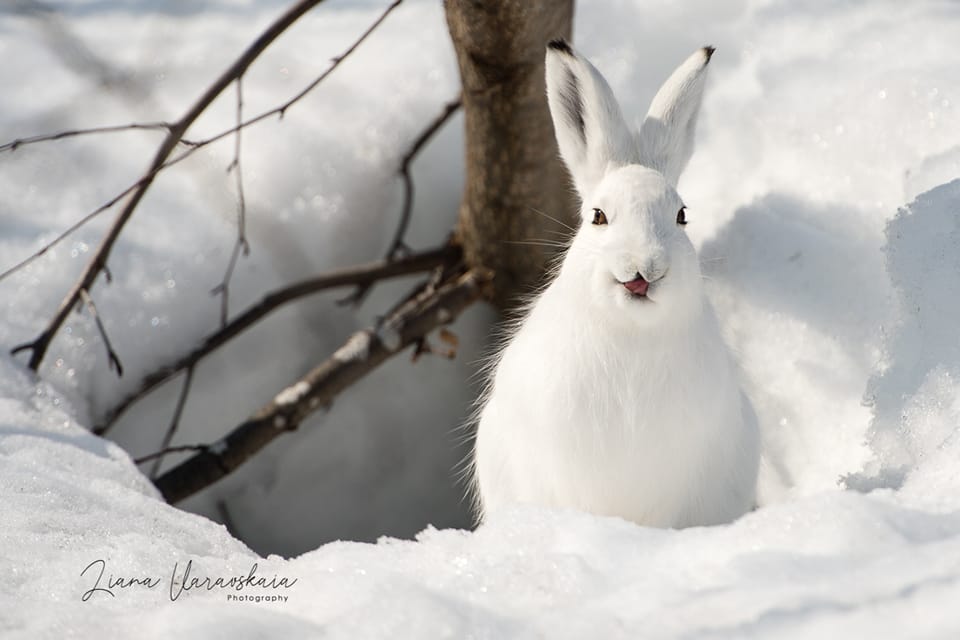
x=820 y=196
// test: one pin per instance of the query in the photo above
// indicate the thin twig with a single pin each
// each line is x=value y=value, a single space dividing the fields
x=223 y=289
x=106 y=206
x=241 y=245
x=112 y=356
x=84 y=220
x=281 y=109
x=177 y=449
x=416 y=263
x=196 y=145
x=238 y=170
x=361 y=354
x=85 y=282
x=175 y=420
x=335 y=62
x=13 y=145
x=397 y=246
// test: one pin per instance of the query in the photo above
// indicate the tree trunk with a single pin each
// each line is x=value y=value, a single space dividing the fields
x=515 y=180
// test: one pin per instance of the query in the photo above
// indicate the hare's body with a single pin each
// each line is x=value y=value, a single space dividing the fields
x=616 y=394
x=655 y=451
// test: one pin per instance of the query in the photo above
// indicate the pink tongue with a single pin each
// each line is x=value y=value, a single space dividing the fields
x=637 y=287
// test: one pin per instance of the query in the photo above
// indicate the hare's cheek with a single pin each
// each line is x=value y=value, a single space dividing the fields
x=684 y=257
x=603 y=286
x=597 y=276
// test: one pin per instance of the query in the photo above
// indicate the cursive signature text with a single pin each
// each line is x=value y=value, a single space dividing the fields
x=111 y=582
x=185 y=580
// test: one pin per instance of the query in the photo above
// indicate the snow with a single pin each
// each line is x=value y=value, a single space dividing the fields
x=356 y=348
x=293 y=393
x=823 y=197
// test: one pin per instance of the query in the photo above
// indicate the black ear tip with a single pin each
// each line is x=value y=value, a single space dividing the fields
x=560 y=45
x=708 y=51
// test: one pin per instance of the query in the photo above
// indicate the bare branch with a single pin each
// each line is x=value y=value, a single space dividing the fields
x=178 y=449
x=84 y=220
x=397 y=246
x=13 y=145
x=85 y=282
x=194 y=145
x=361 y=354
x=112 y=357
x=106 y=206
x=281 y=110
x=241 y=245
x=445 y=256
x=111 y=354
x=175 y=421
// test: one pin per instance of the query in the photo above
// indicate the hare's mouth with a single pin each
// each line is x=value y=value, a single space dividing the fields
x=637 y=287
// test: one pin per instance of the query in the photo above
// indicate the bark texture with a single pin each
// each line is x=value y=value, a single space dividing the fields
x=512 y=163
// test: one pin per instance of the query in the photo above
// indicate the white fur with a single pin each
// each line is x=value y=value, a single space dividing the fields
x=602 y=401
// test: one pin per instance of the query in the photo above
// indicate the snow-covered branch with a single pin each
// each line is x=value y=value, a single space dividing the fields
x=360 y=276
x=361 y=354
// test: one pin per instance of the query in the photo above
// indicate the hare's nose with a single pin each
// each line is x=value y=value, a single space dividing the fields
x=652 y=271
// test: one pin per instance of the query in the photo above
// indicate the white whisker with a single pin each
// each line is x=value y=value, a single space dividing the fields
x=538 y=243
x=550 y=217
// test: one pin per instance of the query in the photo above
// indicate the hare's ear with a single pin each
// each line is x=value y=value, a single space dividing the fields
x=666 y=136
x=591 y=132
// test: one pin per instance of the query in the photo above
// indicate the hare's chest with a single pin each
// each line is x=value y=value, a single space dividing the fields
x=607 y=401
x=587 y=393
x=635 y=432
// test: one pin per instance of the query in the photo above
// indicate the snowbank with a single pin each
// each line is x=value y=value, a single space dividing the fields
x=840 y=563
x=822 y=122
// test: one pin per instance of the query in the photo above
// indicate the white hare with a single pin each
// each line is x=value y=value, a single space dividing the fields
x=616 y=394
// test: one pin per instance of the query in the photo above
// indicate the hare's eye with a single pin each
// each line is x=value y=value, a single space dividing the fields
x=682 y=216
x=599 y=217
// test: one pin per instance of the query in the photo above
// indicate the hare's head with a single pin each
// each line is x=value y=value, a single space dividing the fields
x=631 y=243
